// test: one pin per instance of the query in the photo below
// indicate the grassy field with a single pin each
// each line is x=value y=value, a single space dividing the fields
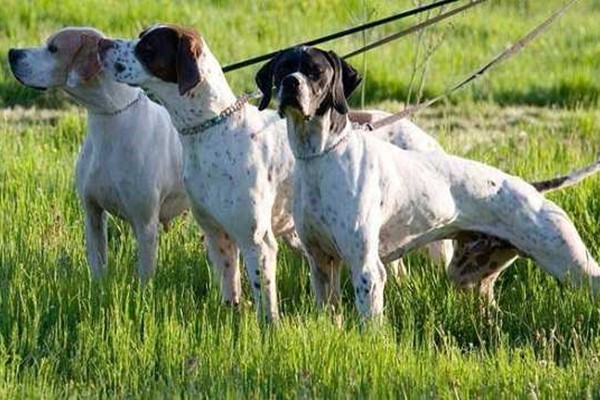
x=64 y=335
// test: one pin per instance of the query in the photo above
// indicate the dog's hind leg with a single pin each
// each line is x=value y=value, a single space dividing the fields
x=224 y=258
x=396 y=269
x=477 y=262
x=147 y=239
x=293 y=242
x=325 y=278
x=95 y=238
x=441 y=252
x=553 y=242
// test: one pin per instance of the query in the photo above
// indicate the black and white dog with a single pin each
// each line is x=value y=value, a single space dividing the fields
x=358 y=197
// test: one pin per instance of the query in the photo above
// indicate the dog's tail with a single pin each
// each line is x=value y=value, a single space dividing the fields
x=570 y=179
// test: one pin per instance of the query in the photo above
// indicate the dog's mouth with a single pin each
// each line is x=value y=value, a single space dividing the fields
x=22 y=82
x=294 y=112
x=289 y=104
x=38 y=88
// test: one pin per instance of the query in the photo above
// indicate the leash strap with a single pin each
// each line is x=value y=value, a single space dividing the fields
x=504 y=55
x=414 y=28
x=340 y=34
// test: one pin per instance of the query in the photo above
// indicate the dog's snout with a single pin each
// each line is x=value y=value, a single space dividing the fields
x=104 y=45
x=290 y=82
x=14 y=55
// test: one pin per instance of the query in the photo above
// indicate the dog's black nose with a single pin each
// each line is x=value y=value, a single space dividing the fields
x=104 y=45
x=290 y=82
x=14 y=55
x=119 y=67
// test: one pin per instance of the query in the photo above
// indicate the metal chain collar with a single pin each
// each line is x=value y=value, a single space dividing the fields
x=220 y=118
x=332 y=147
x=121 y=110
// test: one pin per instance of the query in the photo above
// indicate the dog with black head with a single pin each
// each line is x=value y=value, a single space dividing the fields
x=362 y=200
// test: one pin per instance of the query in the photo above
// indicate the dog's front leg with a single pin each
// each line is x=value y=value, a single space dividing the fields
x=368 y=280
x=224 y=257
x=260 y=258
x=95 y=238
x=397 y=269
x=147 y=238
x=368 y=272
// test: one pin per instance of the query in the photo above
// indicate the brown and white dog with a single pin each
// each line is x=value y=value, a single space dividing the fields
x=237 y=162
x=362 y=200
x=130 y=164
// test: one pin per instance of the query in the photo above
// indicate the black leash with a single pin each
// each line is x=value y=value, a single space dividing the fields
x=346 y=32
x=512 y=50
x=413 y=28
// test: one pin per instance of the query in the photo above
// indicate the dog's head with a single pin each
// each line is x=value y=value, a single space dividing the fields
x=67 y=58
x=308 y=82
x=165 y=53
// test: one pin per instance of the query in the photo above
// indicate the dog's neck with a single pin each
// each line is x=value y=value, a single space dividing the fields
x=211 y=96
x=103 y=96
x=310 y=138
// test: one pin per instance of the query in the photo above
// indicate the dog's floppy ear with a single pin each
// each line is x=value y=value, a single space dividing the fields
x=264 y=81
x=345 y=80
x=188 y=75
x=85 y=63
x=350 y=77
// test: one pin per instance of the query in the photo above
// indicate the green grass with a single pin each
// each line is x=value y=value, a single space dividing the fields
x=559 y=68
x=64 y=335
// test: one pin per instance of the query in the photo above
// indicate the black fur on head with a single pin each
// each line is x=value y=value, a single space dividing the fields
x=329 y=79
x=264 y=81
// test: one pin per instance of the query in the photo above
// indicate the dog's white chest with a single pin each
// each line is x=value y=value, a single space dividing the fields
x=219 y=168
x=316 y=211
x=96 y=182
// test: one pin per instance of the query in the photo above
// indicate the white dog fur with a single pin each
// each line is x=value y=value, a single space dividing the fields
x=130 y=164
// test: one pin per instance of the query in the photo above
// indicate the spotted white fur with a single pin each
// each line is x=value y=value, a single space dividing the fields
x=238 y=174
x=363 y=197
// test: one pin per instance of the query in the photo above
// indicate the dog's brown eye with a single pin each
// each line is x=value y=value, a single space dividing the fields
x=52 y=48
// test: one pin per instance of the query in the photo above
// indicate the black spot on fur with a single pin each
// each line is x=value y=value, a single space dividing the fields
x=482 y=259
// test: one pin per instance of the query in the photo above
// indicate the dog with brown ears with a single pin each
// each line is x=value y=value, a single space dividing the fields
x=130 y=164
